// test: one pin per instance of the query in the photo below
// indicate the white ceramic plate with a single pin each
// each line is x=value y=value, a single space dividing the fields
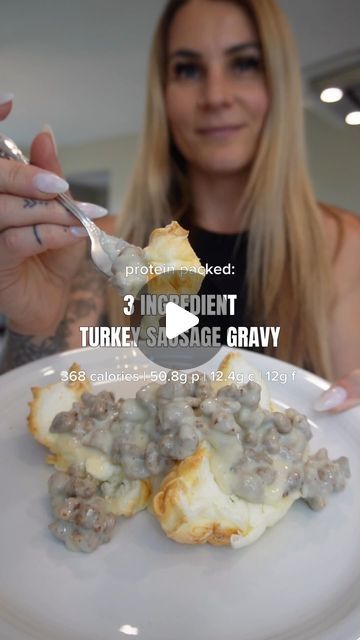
x=300 y=581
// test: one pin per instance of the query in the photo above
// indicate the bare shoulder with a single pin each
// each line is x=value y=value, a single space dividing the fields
x=342 y=229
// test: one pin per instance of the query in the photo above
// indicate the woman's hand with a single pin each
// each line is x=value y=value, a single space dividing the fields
x=342 y=395
x=39 y=249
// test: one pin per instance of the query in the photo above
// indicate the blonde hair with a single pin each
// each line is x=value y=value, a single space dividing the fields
x=288 y=266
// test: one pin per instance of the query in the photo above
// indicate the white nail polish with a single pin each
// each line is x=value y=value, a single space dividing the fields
x=92 y=210
x=6 y=97
x=47 y=129
x=333 y=397
x=50 y=183
x=79 y=232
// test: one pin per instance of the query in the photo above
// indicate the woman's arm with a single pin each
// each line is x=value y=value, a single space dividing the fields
x=86 y=308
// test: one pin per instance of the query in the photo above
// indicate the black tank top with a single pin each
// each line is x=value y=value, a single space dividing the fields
x=221 y=249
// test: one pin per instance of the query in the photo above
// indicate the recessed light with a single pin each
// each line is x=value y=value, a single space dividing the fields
x=332 y=94
x=353 y=118
x=128 y=630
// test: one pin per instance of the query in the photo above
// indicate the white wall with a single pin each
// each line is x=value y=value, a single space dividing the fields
x=115 y=156
x=333 y=152
x=334 y=160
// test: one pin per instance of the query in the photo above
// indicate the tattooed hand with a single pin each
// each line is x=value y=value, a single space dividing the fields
x=39 y=250
x=86 y=307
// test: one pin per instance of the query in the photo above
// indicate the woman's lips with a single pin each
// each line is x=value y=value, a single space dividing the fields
x=220 y=132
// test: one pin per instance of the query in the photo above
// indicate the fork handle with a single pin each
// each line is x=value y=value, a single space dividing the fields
x=71 y=206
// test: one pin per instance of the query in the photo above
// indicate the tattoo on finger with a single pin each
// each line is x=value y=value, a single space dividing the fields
x=36 y=234
x=29 y=203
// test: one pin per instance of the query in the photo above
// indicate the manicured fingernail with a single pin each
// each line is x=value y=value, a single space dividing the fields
x=330 y=399
x=50 y=183
x=92 y=210
x=6 y=97
x=47 y=129
x=79 y=232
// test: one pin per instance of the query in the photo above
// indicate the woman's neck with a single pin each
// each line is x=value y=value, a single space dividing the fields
x=216 y=200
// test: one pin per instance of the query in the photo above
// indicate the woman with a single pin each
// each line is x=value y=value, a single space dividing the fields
x=223 y=150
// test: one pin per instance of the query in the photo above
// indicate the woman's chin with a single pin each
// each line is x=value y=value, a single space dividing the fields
x=222 y=166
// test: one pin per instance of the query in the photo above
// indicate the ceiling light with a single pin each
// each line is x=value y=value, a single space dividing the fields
x=353 y=117
x=332 y=94
x=129 y=630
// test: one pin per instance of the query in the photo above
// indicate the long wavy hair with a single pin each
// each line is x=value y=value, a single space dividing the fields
x=288 y=263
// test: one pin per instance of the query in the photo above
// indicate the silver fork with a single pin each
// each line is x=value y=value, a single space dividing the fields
x=104 y=247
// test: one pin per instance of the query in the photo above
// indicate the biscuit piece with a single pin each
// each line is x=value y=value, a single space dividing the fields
x=127 y=496
x=170 y=245
x=169 y=249
x=48 y=401
x=192 y=509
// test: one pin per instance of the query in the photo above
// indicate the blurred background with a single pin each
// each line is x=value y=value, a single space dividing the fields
x=80 y=66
